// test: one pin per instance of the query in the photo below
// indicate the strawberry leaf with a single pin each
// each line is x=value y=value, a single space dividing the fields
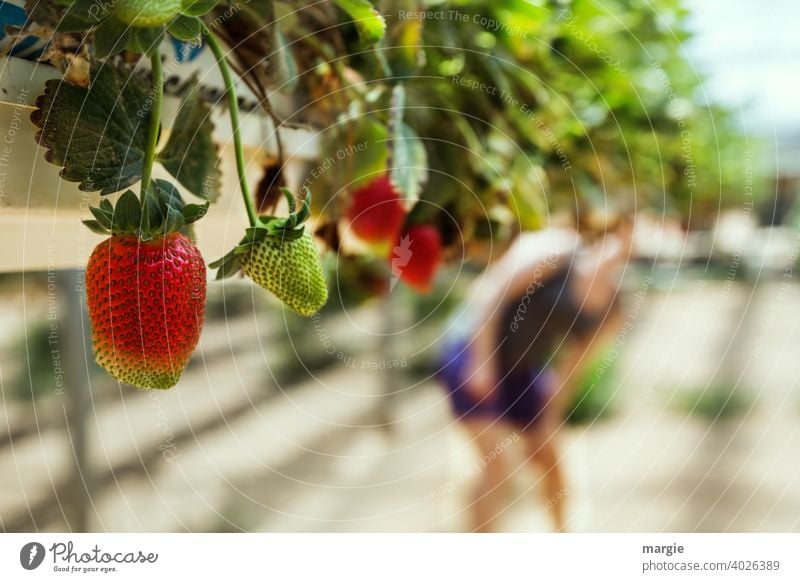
x=406 y=55
x=185 y=28
x=144 y=40
x=80 y=16
x=281 y=67
x=111 y=37
x=198 y=7
x=409 y=163
x=408 y=159
x=191 y=154
x=363 y=165
x=98 y=135
x=370 y=24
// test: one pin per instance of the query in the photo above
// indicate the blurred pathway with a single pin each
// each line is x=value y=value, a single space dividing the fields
x=232 y=452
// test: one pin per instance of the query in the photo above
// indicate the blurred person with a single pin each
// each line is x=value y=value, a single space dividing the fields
x=515 y=351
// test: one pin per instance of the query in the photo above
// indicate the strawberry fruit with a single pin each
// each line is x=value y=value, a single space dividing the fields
x=146 y=290
x=416 y=257
x=280 y=255
x=146 y=13
x=146 y=303
x=290 y=269
x=376 y=212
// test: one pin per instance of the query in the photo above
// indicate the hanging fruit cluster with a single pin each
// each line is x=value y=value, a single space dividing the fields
x=515 y=113
x=146 y=283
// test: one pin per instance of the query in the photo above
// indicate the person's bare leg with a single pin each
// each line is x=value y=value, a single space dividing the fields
x=489 y=496
x=543 y=454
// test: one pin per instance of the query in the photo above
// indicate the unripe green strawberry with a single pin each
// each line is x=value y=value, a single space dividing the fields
x=147 y=13
x=146 y=304
x=290 y=269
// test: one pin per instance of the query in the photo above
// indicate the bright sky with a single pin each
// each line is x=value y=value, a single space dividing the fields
x=751 y=49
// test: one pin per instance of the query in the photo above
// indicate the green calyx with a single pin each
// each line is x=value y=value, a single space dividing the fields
x=281 y=229
x=161 y=212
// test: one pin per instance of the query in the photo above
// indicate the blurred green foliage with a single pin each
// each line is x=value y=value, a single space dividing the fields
x=715 y=402
x=595 y=393
x=525 y=108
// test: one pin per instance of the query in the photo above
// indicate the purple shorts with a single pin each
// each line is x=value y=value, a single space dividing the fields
x=523 y=393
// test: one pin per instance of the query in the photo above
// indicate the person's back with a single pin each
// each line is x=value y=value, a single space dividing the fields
x=537 y=308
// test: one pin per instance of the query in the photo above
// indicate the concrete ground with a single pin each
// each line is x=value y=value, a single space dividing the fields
x=229 y=451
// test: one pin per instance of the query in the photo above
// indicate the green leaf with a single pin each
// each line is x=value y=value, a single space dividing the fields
x=185 y=28
x=242 y=249
x=105 y=218
x=191 y=154
x=405 y=55
x=127 y=213
x=198 y=7
x=174 y=220
x=409 y=170
x=408 y=160
x=219 y=262
x=366 y=142
x=289 y=200
x=111 y=37
x=253 y=234
x=528 y=199
x=370 y=24
x=145 y=40
x=79 y=16
x=194 y=212
x=227 y=266
x=281 y=68
x=97 y=134
x=168 y=194
x=95 y=227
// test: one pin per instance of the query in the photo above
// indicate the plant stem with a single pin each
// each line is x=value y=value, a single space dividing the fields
x=233 y=107
x=157 y=97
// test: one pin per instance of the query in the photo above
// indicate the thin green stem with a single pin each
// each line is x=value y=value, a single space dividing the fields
x=233 y=107
x=157 y=97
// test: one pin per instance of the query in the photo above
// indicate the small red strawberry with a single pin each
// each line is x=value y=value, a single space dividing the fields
x=146 y=290
x=376 y=213
x=416 y=257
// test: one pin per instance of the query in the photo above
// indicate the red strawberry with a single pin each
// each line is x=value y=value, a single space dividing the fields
x=417 y=256
x=147 y=304
x=376 y=213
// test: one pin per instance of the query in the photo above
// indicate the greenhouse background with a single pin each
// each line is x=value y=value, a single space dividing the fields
x=689 y=420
